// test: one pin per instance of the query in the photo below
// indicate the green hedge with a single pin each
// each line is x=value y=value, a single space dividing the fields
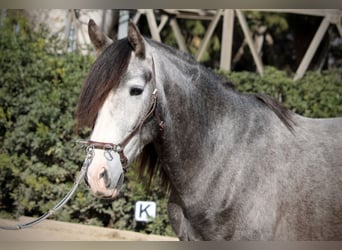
x=39 y=87
x=315 y=95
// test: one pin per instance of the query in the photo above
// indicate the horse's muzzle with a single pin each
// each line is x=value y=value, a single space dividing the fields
x=105 y=182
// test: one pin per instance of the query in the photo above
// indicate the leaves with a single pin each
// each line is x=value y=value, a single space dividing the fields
x=315 y=95
x=38 y=93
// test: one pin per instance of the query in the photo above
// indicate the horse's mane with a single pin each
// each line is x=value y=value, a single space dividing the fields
x=150 y=167
x=283 y=113
x=104 y=76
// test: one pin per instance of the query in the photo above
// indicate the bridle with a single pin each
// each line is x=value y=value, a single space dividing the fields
x=91 y=145
x=119 y=148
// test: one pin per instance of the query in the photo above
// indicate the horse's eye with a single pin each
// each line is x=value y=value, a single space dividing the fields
x=135 y=91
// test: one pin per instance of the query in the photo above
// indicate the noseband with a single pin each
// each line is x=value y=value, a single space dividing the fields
x=119 y=148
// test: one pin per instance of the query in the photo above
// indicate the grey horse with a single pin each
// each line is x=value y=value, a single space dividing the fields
x=238 y=166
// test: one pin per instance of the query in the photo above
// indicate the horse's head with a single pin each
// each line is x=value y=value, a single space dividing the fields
x=118 y=100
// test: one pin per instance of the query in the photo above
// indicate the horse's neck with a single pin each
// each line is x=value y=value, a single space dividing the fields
x=194 y=108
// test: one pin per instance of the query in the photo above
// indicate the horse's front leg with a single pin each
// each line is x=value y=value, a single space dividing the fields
x=179 y=222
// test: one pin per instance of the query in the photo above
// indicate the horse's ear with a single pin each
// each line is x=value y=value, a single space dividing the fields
x=99 y=40
x=136 y=40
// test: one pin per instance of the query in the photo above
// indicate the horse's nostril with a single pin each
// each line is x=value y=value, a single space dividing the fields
x=104 y=175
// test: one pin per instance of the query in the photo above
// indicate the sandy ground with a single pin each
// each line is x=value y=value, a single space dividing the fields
x=50 y=230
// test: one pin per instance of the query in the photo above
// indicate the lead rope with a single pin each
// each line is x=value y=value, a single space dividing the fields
x=78 y=179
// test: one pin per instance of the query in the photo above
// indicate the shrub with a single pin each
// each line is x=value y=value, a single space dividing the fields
x=317 y=95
